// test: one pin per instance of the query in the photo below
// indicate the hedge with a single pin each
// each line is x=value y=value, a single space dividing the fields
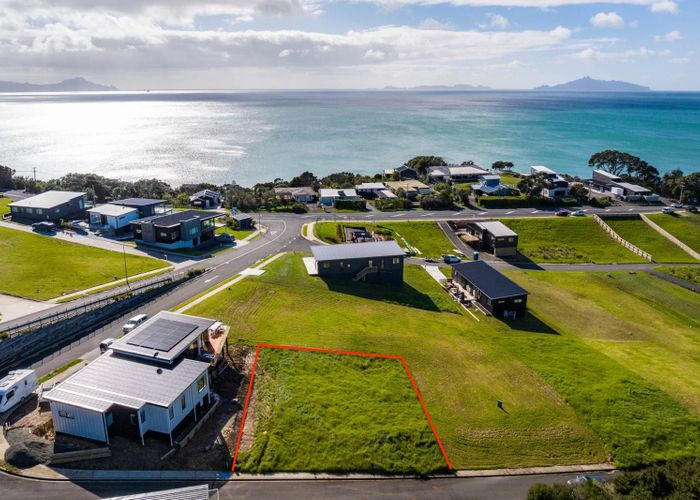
x=351 y=205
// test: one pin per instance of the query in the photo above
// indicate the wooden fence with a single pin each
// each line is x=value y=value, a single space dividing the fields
x=629 y=246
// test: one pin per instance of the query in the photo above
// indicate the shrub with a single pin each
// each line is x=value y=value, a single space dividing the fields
x=393 y=204
x=600 y=202
x=435 y=203
x=195 y=272
x=351 y=205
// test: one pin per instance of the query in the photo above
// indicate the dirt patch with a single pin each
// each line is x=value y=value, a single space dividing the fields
x=248 y=437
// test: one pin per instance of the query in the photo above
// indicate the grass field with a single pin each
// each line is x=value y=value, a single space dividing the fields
x=687 y=273
x=640 y=234
x=41 y=267
x=427 y=237
x=319 y=412
x=4 y=202
x=239 y=235
x=685 y=227
x=568 y=240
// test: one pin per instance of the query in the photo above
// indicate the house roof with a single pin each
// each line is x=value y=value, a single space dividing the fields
x=610 y=176
x=387 y=193
x=403 y=168
x=496 y=228
x=138 y=202
x=163 y=337
x=456 y=170
x=542 y=169
x=208 y=193
x=112 y=210
x=176 y=218
x=114 y=379
x=48 y=199
x=296 y=191
x=370 y=185
x=491 y=177
x=337 y=193
x=491 y=283
x=632 y=187
x=409 y=184
x=241 y=216
x=484 y=188
x=357 y=250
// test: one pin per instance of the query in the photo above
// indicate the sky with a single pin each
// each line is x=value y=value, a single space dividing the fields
x=347 y=44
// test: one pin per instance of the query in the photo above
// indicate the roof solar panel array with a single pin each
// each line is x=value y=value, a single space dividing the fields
x=162 y=334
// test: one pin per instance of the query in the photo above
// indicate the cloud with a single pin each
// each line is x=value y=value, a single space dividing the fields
x=496 y=21
x=671 y=36
x=665 y=6
x=607 y=20
x=591 y=54
x=680 y=60
x=433 y=24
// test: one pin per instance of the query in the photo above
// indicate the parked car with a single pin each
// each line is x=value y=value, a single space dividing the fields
x=225 y=238
x=562 y=213
x=451 y=259
x=692 y=208
x=677 y=205
x=585 y=478
x=105 y=345
x=134 y=322
x=44 y=227
x=15 y=387
x=578 y=213
x=668 y=210
x=429 y=259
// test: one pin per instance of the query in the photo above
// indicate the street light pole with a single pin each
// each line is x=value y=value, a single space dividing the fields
x=126 y=274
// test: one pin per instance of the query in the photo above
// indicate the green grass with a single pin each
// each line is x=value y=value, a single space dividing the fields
x=427 y=237
x=113 y=285
x=41 y=267
x=57 y=371
x=568 y=240
x=319 y=412
x=640 y=234
x=239 y=235
x=460 y=368
x=4 y=202
x=685 y=227
x=687 y=273
x=510 y=179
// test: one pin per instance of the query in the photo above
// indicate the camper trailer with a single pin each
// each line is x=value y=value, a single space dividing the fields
x=15 y=387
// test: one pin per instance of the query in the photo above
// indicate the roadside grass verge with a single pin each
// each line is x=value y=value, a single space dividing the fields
x=568 y=240
x=239 y=235
x=40 y=267
x=321 y=412
x=687 y=273
x=685 y=227
x=58 y=371
x=640 y=234
x=4 y=202
x=112 y=286
x=459 y=366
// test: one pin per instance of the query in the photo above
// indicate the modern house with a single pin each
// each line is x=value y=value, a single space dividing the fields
x=490 y=185
x=112 y=218
x=494 y=292
x=456 y=173
x=302 y=194
x=370 y=189
x=244 y=221
x=412 y=188
x=49 y=206
x=376 y=261
x=206 y=198
x=493 y=237
x=613 y=186
x=186 y=229
x=557 y=186
x=152 y=380
x=147 y=207
x=328 y=197
x=404 y=172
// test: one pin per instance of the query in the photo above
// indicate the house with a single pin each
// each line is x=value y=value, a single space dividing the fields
x=245 y=221
x=147 y=207
x=602 y=180
x=151 y=380
x=370 y=190
x=206 y=198
x=493 y=237
x=494 y=292
x=112 y=218
x=302 y=194
x=557 y=186
x=613 y=186
x=456 y=173
x=49 y=206
x=377 y=261
x=328 y=197
x=490 y=185
x=186 y=229
x=412 y=188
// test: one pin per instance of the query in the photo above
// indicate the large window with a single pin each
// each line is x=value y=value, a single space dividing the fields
x=171 y=412
x=183 y=401
x=396 y=260
x=201 y=383
x=193 y=231
x=65 y=414
x=143 y=415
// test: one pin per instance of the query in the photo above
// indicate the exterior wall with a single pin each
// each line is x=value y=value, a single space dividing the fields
x=495 y=307
x=86 y=423
x=158 y=417
x=113 y=221
x=68 y=210
x=388 y=270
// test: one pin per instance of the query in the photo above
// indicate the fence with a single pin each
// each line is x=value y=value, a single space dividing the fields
x=629 y=246
x=670 y=237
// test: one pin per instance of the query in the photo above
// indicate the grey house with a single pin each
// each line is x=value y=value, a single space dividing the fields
x=206 y=198
x=186 y=229
x=50 y=206
x=497 y=294
x=377 y=261
x=147 y=207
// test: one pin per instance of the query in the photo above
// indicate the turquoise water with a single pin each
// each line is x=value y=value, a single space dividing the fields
x=249 y=137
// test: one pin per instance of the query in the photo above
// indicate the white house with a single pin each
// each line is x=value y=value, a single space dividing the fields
x=111 y=217
x=370 y=189
x=557 y=186
x=328 y=197
x=455 y=173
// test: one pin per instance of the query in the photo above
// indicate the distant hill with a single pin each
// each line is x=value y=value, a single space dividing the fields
x=459 y=86
x=588 y=84
x=71 y=85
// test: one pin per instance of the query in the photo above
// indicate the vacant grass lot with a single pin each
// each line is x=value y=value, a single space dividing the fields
x=687 y=273
x=568 y=240
x=4 y=202
x=685 y=227
x=427 y=237
x=640 y=234
x=319 y=412
x=236 y=233
x=41 y=267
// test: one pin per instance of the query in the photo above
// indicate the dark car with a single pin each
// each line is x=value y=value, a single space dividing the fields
x=562 y=213
x=692 y=208
x=44 y=227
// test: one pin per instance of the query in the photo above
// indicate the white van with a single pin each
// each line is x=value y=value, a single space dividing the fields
x=134 y=322
x=15 y=387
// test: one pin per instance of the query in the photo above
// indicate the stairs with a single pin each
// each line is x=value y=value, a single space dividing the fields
x=367 y=270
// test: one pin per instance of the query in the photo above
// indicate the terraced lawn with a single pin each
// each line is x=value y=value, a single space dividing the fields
x=640 y=234
x=685 y=227
x=568 y=240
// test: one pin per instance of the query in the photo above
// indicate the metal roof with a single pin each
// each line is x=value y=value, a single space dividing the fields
x=370 y=185
x=241 y=216
x=496 y=228
x=137 y=202
x=632 y=187
x=338 y=193
x=112 y=210
x=301 y=190
x=176 y=218
x=131 y=345
x=114 y=379
x=542 y=169
x=199 y=492
x=206 y=193
x=47 y=200
x=491 y=283
x=357 y=250
x=455 y=170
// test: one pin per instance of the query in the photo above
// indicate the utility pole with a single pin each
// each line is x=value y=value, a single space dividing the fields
x=34 y=170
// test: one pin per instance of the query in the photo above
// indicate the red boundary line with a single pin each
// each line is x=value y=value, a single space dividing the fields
x=332 y=351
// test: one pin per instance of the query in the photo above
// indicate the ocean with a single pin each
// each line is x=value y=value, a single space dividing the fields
x=249 y=137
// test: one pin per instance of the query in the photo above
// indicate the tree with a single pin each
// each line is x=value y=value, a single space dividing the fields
x=534 y=185
x=421 y=163
x=615 y=162
x=578 y=191
x=672 y=183
x=502 y=165
x=691 y=188
x=6 y=174
x=304 y=179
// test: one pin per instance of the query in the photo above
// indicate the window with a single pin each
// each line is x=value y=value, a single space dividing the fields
x=163 y=234
x=174 y=235
x=9 y=395
x=511 y=239
x=171 y=412
x=65 y=414
x=326 y=265
x=396 y=260
x=14 y=210
x=143 y=415
x=201 y=383
x=517 y=301
x=29 y=211
x=183 y=401
x=341 y=264
x=39 y=211
x=193 y=231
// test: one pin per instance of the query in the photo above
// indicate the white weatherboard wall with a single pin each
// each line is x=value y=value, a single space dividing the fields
x=158 y=417
x=86 y=423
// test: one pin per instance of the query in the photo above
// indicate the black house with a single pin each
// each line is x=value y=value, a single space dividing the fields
x=206 y=198
x=186 y=229
x=244 y=221
x=378 y=261
x=493 y=237
x=50 y=206
x=147 y=207
x=496 y=293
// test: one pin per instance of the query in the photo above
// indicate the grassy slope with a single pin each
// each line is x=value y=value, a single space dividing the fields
x=4 y=202
x=568 y=240
x=425 y=236
x=320 y=412
x=41 y=267
x=687 y=273
x=685 y=227
x=638 y=232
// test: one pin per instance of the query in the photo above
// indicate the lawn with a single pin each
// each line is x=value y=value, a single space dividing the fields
x=568 y=240
x=236 y=233
x=640 y=234
x=426 y=237
x=319 y=412
x=4 y=202
x=687 y=273
x=685 y=227
x=41 y=267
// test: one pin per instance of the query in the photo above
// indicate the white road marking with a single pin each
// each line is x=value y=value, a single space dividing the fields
x=397 y=215
x=212 y=278
x=535 y=212
x=607 y=209
x=508 y=213
x=483 y=213
x=630 y=209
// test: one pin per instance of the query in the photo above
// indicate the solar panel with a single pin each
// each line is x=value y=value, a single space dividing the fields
x=162 y=334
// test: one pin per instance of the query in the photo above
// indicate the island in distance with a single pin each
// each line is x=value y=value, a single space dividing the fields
x=588 y=84
x=459 y=86
x=71 y=85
